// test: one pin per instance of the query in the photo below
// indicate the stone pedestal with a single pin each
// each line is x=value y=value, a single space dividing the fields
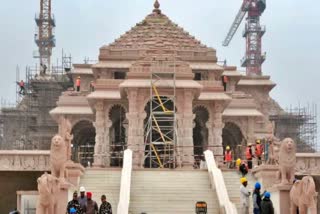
x=73 y=172
x=280 y=196
x=266 y=175
x=62 y=197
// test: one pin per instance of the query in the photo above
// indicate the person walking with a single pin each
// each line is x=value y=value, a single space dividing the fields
x=78 y=83
x=82 y=199
x=22 y=88
x=266 y=204
x=74 y=203
x=243 y=168
x=249 y=156
x=91 y=206
x=259 y=151
x=244 y=196
x=225 y=81
x=228 y=157
x=105 y=207
x=92 y=85
x=256 y=198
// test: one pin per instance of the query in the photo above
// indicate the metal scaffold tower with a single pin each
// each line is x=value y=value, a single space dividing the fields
x=44 y=38
x=161 y=127
x=253 y=33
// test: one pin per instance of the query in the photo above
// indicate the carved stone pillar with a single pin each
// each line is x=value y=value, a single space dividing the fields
x=106 y=144
x=187 y=139
x=135 y=118
x=251 y=138
x=185 y=124
x=100 y=147
x=217 y=126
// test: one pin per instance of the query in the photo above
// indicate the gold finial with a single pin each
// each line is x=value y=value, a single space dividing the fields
x=156 y=7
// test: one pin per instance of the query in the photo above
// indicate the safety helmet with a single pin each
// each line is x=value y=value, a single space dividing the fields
x=82 y=189
x=257 y=185
x=243 y=179
x=78 y=77
x=258 y=141
x=238 y=162
x=267 y=195
x=249 y=144
x=228 y=148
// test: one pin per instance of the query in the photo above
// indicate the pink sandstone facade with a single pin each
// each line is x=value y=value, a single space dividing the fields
x=122 y=80
x=206 y=114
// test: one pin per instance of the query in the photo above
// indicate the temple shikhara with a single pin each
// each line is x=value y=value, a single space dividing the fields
x=148 y=125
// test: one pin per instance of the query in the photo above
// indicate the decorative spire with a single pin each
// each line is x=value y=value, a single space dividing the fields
x=156 y=7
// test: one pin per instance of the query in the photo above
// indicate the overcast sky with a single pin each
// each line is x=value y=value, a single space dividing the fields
x=292 y=39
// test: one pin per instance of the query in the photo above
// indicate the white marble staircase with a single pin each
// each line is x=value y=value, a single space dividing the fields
x=170 y=191
x=232 y=181
x=103 y=181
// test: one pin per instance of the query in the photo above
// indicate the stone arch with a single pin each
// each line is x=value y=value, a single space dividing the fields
x=83 y=142
x=117 y=134
x=233 y=136
x=167 y=120
x=200 y=132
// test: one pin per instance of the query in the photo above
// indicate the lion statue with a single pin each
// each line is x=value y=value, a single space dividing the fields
x=287 y=161
x=58 y=157
x=48 y=187
x=303 y=196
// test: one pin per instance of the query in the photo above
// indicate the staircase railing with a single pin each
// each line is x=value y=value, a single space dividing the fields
x=125 y=186
x=217 y=183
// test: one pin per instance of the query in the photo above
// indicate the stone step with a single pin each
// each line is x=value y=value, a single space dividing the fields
x=232 y=181
x=177 y=191
x=101 y=182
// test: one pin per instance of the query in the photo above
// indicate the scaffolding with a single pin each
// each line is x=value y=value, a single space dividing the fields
x=300 y=124
x=161 y=127
x=44 y=38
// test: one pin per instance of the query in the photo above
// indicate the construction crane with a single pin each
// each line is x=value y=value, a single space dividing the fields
x=44 y=38
x=253 y=33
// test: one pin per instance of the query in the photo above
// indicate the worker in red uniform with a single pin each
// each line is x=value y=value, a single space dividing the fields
x=225 y=80
x=249 y=156
x=78 y=82
x=228 y=157
x=22 y=88
x=258 y=151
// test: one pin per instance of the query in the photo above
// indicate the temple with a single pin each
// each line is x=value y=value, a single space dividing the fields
x=158 y=94
x=208 y=117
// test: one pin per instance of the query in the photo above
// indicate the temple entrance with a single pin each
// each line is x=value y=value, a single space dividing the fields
x=200 y=133
x=83 y=142
x=160 y=134
x=233 y=137
x=117 y=134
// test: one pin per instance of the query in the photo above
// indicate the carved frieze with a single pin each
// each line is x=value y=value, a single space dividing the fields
x=308 y=163
x=24 y=161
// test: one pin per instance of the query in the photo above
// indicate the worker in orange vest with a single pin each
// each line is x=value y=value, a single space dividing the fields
x=249 y=156
x=78 y=82
x=258 y=151
x=228 y=157
x=225 y=80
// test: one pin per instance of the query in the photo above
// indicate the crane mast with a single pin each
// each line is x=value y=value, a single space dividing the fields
x=44 y=38
x=253 y=33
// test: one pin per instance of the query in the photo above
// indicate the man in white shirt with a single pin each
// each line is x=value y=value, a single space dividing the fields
x=244 y=196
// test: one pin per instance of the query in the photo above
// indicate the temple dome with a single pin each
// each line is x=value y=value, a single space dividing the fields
x=158 y=32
